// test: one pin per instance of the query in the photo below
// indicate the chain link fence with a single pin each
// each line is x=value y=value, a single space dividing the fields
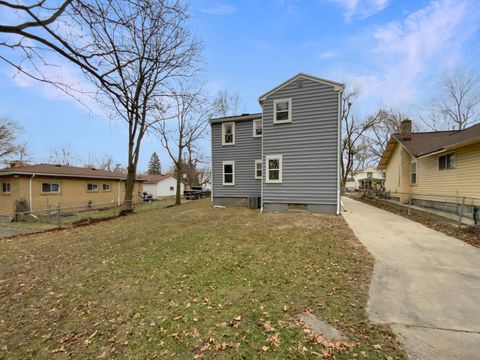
x=462 y=209
x=68 y=216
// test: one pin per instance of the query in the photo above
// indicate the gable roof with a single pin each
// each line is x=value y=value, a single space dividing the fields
x=62 y=171
x=153 y=179
x=337 y=86
x=427 y=143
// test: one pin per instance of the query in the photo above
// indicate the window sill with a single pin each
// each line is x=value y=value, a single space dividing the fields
x=230 y=144
x=228 y=184
x=281 y=122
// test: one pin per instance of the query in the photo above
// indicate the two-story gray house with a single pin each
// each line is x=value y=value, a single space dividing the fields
x=285 y=158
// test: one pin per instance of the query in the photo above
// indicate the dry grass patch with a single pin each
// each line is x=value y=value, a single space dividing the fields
x=188 y=282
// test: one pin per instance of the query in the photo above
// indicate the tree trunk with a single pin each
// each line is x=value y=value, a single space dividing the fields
x=178 y=195
x=129 y=188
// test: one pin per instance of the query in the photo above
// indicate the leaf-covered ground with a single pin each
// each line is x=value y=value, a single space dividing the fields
x=188 y=282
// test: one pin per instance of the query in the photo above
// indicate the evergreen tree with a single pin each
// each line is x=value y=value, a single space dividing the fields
x=154 y=166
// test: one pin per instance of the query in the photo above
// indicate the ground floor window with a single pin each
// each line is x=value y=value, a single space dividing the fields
x=50 y=187
x=258 y=169
x=413 y=172
x=229 y=173
x=107 y=187
x=6 y=188
x=92 y=187
x=172 y=188
x=446 y=162
x=273 y=168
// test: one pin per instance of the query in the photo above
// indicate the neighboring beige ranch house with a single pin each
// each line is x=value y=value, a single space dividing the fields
x=434 y=169
x=46 y=186
x=161 y=185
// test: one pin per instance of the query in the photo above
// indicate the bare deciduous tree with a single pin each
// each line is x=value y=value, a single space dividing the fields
x=185 y=127
x=144 y=44
x=458 y=105
x=226 y=103
x=353 y=146
x=9 y=146
x=64 y=156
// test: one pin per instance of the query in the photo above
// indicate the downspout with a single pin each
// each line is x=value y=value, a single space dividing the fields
x=263 y=177
x=339 y=159
x=30 y=195
x=118 y=192
x=211 y=162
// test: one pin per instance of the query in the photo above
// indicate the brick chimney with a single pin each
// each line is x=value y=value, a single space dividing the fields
x=406 y=129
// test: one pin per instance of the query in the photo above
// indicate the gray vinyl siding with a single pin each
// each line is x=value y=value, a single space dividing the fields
x=309 y=145
x=246 y=150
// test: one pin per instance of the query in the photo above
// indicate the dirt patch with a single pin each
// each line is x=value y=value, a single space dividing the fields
x=470 y=234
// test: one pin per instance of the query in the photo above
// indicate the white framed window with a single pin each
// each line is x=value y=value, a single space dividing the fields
x=92 y=187
x=258 y=169
x=6 y=188
x=228 y=173
x=282 y=111
x=228 y=133
x=446 y=162
x=413 y=172
x=257 y=128
x=106 y=187
x=273 y=169
x=50 y=188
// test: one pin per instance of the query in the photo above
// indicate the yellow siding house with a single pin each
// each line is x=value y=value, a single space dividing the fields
x=436 y=169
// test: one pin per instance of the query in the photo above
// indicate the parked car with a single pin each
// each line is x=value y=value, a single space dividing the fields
x=196 y=192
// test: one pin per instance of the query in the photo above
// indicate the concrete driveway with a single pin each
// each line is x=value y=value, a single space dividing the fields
x=425 y=284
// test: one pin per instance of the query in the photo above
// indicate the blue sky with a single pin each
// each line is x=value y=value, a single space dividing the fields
x=393 y=52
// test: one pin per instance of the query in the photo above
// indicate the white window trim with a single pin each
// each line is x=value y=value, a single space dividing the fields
x=109 y=187
x=446 y=163
x=233 y=173
x=223 y=133
x=267 y=172
x=255 y=127
x=261 y=165
x=289 y=120
x=9 y=187
x=416 y=172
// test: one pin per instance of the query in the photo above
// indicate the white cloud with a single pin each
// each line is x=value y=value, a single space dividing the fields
x=361 y=9
x=417 y=49
x=219 y=9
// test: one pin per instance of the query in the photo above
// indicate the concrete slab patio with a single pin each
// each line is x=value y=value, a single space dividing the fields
x=425 y=283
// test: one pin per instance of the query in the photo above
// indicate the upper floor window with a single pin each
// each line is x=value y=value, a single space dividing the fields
x=92 y=187
x=446 y=162
x=282 y=111
x=50 y=188
x=228 y=133
x=413 y=172
x=273 y=168
x=229 y=173
x=6 y=188
x=258 y=169
x=257 y=128
x=369 y=174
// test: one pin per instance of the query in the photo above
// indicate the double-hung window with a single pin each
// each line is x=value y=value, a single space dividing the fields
x=228 y=173
x=258 y=169
x=228 y=133
x=282 y=111
x=6 y=188
x=257 y=128
x=50 y=188
x=446 y=162
x=273 y=168
x=413 y=172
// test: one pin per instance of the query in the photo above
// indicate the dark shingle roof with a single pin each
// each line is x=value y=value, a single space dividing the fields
x=425 y=143
x=62 y=170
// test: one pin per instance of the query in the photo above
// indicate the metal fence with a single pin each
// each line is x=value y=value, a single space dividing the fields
x=460 y=208
x=67 y=216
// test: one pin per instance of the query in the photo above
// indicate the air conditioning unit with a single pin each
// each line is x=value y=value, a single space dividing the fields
x=253 y=202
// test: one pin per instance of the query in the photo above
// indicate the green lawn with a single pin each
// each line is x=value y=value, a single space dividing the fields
x=187 y=282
